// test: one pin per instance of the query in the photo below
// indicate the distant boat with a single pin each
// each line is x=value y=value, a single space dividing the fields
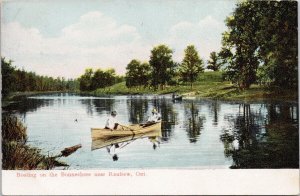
x=177 y=98
x=123 y=131
x=103 y=142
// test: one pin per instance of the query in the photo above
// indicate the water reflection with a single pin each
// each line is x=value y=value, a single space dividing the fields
x=169 y=116
x=137 y=110
x=24 y=105
x=242 y=135
x=193 y=122
x=264 y=139
x=215 y=108
x=115 y=145
x=102 y=106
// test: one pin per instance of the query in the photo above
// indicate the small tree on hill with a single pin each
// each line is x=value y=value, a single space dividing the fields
x=191 y=65
x=213 y=63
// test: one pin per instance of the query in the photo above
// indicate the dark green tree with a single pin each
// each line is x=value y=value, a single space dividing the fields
x=278 y=42
x=162 y=66
x=262 y=43
x=137 y=74
x=191 y=65
x=240 y=45
x=109 y=77
x=8 y=77
x=102 y=79
x=85 y=81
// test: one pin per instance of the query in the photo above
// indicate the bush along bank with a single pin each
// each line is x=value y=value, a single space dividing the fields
x=17 y=154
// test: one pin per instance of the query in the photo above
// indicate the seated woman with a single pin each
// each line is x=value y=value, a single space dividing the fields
x=154 y=118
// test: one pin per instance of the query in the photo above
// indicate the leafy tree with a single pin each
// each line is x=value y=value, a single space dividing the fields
x=162 y=66
x=102 y=79
x=85 y=81
x=278 y=42
x=262 y=43
x=213 y=63
x=109 y=77
x=137 y=74
x=97 y=80
x=240 y=45
x=191 y=65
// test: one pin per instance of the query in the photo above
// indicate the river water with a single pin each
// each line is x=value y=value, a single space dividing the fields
x=195 y=133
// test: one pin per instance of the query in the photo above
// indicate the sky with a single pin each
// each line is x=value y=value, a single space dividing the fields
x=64 y=37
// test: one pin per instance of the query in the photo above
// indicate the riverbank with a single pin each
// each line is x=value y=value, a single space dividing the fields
x=210 y=85
x=17 y=154
x=14 y=95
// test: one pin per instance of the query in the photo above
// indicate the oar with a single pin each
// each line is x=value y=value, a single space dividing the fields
x=137 y=131
x=126 y=127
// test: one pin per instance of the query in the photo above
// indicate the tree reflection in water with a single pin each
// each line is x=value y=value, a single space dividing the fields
x=23 y=104
x=215 y=108
x=101 y=106
x=169 y=117
x=137 y=108
x=193 y=122
x=263 y=139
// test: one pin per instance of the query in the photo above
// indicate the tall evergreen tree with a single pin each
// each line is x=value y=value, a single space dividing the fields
x=191 y=65
x=213 y=63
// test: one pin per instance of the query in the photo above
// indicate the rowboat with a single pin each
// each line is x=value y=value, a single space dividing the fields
x=103 y=142
x=177 y=98
x=122 y=131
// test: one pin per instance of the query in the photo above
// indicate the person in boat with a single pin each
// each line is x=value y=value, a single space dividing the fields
x=111 y=122
x=154 y=118
x=173 y=96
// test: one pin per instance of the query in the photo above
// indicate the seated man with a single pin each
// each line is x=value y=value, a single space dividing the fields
x=111 y=121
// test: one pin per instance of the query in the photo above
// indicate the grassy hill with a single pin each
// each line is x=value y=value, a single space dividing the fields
x=209 y=85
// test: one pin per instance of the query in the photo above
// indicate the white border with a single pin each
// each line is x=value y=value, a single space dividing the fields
x=155 y=182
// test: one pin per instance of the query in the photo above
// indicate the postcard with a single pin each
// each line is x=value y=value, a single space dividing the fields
x=149 y=97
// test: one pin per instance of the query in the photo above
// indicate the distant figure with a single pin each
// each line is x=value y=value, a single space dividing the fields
x=176 y=97
x=156 y=117
x=111 y=122
x=173 y=96
x=76 y=120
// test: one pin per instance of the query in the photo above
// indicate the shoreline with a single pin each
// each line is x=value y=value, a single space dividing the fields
x=241 y=96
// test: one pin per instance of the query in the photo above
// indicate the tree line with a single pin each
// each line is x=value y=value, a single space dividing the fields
x=14 y=80
x=161 y=70
x=91 y=80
